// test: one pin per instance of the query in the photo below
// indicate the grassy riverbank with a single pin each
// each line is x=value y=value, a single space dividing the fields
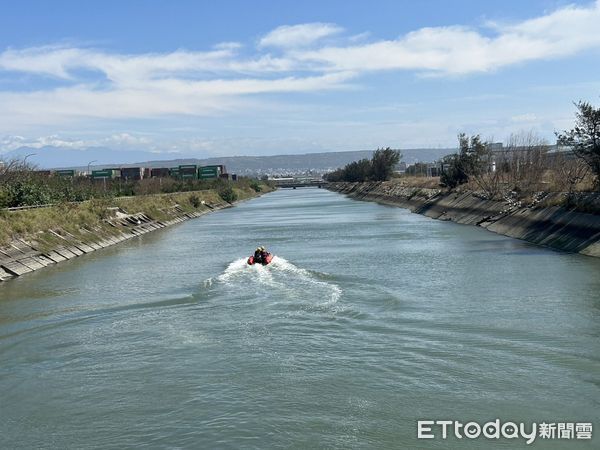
x=78 y=218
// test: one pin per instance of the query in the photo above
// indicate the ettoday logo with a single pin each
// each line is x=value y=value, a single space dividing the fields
x=435 y=429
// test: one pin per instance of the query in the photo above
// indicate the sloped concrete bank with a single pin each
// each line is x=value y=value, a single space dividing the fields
x=54 y=245
x=550 y=226
x=23 y=256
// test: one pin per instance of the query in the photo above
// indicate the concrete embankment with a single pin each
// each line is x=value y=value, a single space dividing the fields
x=537 y=222
x=52 y=235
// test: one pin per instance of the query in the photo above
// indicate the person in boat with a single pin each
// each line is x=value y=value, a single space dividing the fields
x=258 y=255
x=263 y=255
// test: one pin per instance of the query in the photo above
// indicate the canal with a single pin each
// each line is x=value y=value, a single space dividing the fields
x=369 y=319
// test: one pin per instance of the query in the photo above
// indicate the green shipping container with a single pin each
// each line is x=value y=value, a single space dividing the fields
x=189 y=171
x=106 y=173
x=208 y=172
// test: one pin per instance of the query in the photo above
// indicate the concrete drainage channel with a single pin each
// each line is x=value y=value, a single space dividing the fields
x=24 y=256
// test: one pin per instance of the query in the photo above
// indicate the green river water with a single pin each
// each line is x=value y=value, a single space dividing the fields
x=369 y=319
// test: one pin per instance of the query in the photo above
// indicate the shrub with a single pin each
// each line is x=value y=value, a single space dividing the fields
x=4 y=198
x=195 y=200
x=255 y=186
x=227 y=193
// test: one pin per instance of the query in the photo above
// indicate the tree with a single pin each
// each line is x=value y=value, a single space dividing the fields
x=459 y=167
x=383 y=163
x=379 y=168
x=474 y=154
x=453 y=173
x=584 y=139
x=358 y=171
x=335 y=176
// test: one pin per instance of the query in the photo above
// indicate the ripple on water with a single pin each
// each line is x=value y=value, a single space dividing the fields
x=399 y=318
x=281 y=283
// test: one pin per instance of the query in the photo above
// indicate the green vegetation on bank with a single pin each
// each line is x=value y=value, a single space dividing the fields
x=525 y=165
x=584 y=139
x=20 y=185
x=518 y=171
x=379 y=168
x=472 y=159
x=78 y=218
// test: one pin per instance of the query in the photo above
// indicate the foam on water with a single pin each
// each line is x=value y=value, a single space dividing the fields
x=281 y=276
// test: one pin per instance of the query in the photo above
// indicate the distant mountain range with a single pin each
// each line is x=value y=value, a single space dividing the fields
x=55 y=157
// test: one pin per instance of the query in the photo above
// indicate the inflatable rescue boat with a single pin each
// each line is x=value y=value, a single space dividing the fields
x=266 y=260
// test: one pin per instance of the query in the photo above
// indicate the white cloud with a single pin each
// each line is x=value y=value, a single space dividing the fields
x=122 y=140
x=291 y=36
x=444 y=50
x=228 y=46
x=9 y=143
x=119 y=68
x=360 y=37
x=49 y=60
x=524 y=118
x=462 y=50
x=223 y=79
x=148 y=99
x=179 y=147
x=127 y=139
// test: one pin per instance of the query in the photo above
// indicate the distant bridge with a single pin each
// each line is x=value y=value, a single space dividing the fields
x=293 y=182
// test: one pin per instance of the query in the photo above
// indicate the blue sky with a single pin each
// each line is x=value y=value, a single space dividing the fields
x=189 y=78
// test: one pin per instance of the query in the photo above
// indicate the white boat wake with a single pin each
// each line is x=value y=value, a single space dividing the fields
x=280 y=277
